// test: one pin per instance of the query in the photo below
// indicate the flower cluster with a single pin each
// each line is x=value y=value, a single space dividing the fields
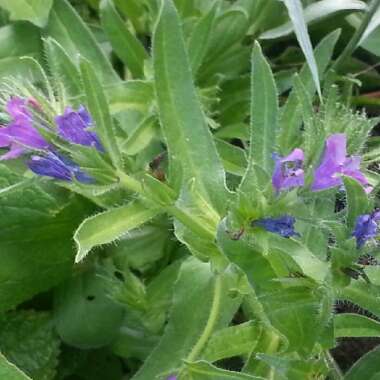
x=288 y=173
x=21 y=136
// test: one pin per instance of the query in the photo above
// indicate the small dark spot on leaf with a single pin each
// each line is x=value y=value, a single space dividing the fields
x=90 y=298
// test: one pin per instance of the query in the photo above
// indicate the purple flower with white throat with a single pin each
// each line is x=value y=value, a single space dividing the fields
x=336 y=164
x=19 y=135
x=283 y=225
x=288 y=172
x=366 y=227
x=59 y=167
x=74 y=127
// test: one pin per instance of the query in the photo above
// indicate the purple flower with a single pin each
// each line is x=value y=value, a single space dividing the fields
x=73 y=126
x=20 y=135
x=283 y=225
x=366 y=227
x=288 y=171
x=57 y=166
x=335 y=164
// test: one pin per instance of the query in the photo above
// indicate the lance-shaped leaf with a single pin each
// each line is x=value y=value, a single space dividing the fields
x=35 y=11
x=297 y=17
x=99 y=110
x=62 y=67
x=367 y=367
x=201 y=302
x=111 y=225
x=127 y=47
x=203 y=370
x=263 y=112
x=357 y=200
x=355 y=326
x=241 y=341
x=315 y=12
x=9 y=371
x=69 y=30
x=200 y=38
x=192 y=152
x=291 y=114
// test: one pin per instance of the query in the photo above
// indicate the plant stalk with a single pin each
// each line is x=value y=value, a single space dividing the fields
x=335 y=371
x=352 y=45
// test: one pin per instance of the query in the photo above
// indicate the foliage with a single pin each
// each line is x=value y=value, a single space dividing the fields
x=192 y=189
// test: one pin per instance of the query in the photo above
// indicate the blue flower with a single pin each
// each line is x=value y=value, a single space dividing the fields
x=283 y=225
x=366 y=227
x=56 y=166
x=73 y=126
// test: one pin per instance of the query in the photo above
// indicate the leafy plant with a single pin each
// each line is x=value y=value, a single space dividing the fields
x=183 y=196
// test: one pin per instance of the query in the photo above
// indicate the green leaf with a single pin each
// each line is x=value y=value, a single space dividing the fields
x=99 y=110
x=367 y=367
x=41 y=224
x=69 y=30
x=127 y=47
x=62 y=67
x=367 y=296
x=231 y=28
x=315 y=12
x=300 y=28
x=311 y=265
x=241 y=340
x=130 y=96
x=9 y=371
x=84 y=313
x=234 y=158
x=203 y=370
x=192 y=152
x=110 y=225
x=294 y=369
x=141 y=137
x=16 y=41
x=28 y=340
x=35 y=11
x=355 y=326
x=263 y=112
x=200 y=38
x=291 y=114
x=357 y=200
x=197 y=288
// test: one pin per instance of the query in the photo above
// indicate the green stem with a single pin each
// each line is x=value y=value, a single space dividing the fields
x=190 y=221
x=212 y=320
x=352 y=45
x=130 y=183
x=335 y=371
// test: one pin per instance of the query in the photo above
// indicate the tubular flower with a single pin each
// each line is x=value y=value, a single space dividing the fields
x=366 y=227
x=19 y=135
x=283 y=225
x=73 y=126
x=57 y=166
x=335 y=164
x=288 y=171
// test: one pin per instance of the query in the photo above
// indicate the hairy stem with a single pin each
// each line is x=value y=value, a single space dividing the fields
x=352 y=45
x=335 y=371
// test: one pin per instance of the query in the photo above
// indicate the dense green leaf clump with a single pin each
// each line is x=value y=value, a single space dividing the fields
x=188 y=189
